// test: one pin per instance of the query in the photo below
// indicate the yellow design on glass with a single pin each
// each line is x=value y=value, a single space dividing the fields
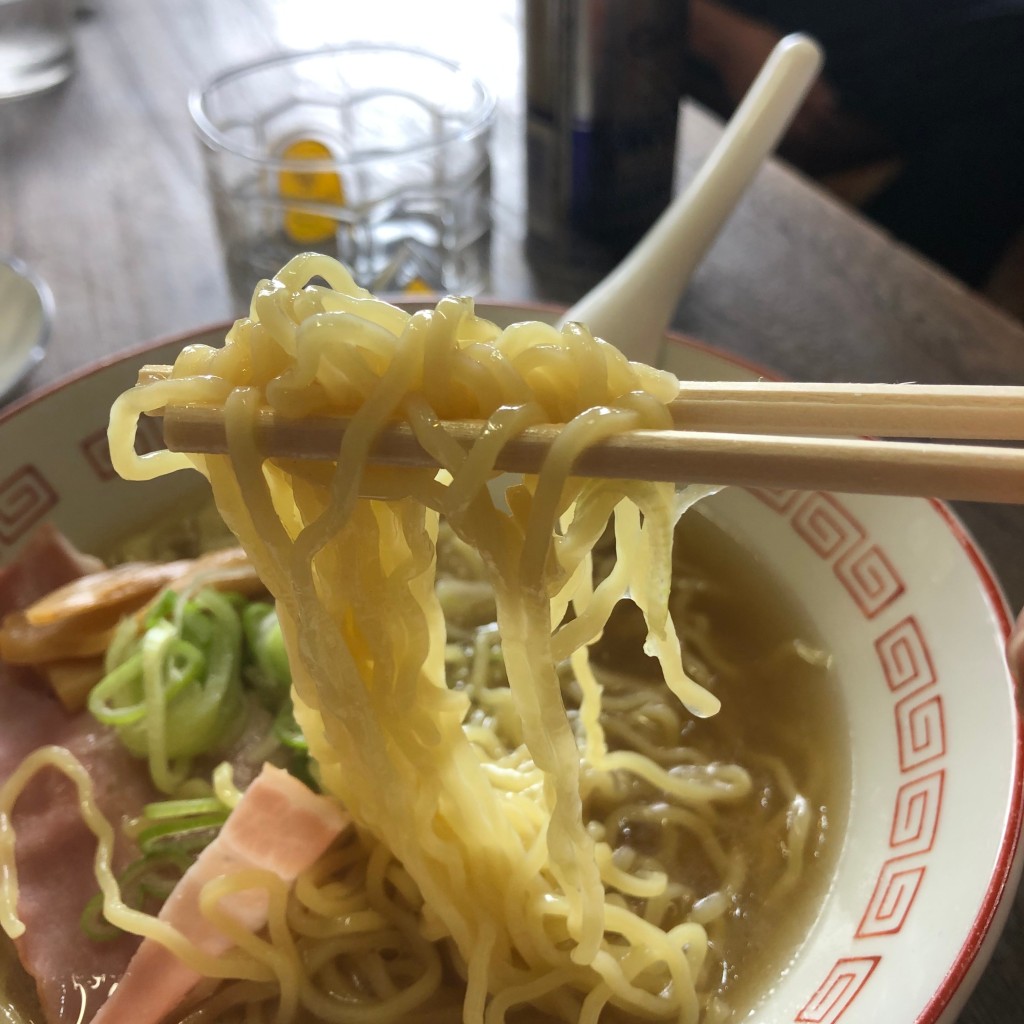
x=311 y=186
x=417 y=286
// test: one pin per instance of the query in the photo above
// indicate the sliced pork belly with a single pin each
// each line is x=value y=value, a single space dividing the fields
x=54 y=853
x=47 y=562
x=54 y=848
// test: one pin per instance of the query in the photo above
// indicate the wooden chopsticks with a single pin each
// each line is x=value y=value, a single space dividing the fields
x=784 y=436
x=853 y=410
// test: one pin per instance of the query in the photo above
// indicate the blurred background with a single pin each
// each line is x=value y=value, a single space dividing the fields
x=918 y=123
x=918 y=119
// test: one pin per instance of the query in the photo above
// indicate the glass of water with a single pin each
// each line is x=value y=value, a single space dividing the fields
x=35 y=46
x=376 y=155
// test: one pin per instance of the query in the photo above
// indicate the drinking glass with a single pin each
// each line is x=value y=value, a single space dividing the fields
x=35 y=46
x=377 y=155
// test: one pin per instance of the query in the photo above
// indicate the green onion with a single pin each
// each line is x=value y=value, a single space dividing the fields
x=123 y=686
x=174 y=690
x=188 y=836
x=162 y=608
x=287 y=730
x=164 y=809
x=270 y=673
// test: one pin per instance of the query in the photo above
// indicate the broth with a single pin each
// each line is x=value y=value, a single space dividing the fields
x=781 y=720
x=780 y=705
x=780 y=714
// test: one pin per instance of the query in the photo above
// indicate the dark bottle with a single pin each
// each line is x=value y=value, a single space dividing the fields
x=603 y=83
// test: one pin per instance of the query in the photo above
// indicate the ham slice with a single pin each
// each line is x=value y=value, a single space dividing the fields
x=55 y=849
x=280 y=826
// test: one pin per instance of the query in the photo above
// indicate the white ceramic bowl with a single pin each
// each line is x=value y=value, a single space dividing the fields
x=899 y=593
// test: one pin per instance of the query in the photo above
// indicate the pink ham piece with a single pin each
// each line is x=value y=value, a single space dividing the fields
x=280 y=826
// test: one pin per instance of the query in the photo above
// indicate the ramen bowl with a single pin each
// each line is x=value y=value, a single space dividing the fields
x=899 y=595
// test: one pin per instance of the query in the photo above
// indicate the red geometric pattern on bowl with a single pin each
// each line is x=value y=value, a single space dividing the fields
x=828 y=527
x=914 y=827
x=832 y=532
x=148 y=438
x=780 y=501
x=835 y=535
x=835 y=995
x=895 y=892
x=25 y=498
x=915 y=820
x=904 y=655
x=97 y=454
x=869 y=578
x=920 y=729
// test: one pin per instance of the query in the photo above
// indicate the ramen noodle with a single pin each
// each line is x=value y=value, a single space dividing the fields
x=522 y=809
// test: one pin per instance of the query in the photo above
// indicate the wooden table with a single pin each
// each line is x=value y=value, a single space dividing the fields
x=102 y=191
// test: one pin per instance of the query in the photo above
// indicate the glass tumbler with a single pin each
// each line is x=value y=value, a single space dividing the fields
x=376 y=155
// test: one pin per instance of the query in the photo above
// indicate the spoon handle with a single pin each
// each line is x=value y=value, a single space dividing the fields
x=632 y=306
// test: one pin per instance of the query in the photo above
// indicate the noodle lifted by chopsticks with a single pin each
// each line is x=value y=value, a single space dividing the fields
x=509 y=875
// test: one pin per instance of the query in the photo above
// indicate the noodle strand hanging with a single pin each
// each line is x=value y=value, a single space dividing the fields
x=487 y=783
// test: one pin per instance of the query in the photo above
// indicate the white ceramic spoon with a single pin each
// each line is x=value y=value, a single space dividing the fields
x=632 y=306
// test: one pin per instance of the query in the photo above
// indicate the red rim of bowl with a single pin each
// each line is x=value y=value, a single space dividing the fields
x=1010 y=843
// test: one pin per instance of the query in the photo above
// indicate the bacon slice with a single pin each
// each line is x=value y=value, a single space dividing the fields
x=55 y=849
x=279 y=825
x=46 y=562
x=54 y=854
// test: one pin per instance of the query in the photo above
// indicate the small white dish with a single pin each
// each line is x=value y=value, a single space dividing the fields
x=26 y=313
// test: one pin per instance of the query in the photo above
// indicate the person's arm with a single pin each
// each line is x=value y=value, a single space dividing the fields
x=822 y=137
